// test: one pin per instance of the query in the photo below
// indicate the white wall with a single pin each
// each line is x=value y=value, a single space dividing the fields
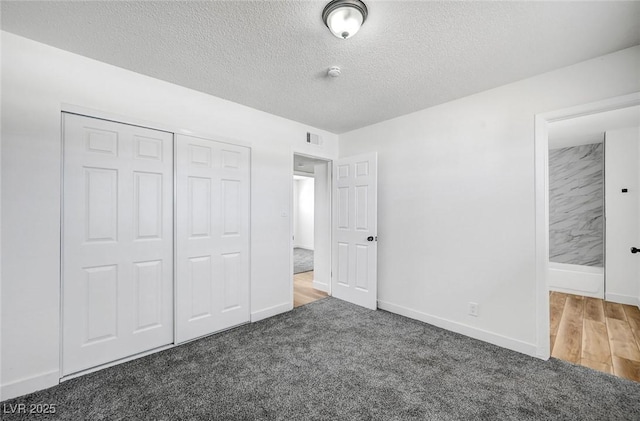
x=303 y=205
x=36 y=81
x=456 y=200
x=622 y=170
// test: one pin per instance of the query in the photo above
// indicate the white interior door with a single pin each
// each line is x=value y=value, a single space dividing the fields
x=355 y=250
x=622 y=214
x=212 y=256
x=117 y=241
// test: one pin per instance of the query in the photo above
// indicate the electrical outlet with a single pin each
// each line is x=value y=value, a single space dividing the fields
x=473 y=309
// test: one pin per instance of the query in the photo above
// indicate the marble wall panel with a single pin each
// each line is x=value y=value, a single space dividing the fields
x=576 y=205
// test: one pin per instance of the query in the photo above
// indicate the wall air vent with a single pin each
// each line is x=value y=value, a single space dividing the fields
x=314 y=139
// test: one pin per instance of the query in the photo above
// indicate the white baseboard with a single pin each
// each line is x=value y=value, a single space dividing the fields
x=577 y=292
x=271 y=311
x=321 y=286
x=575 y=279
x=29 y=385
x=622 y=299
x=473 y=332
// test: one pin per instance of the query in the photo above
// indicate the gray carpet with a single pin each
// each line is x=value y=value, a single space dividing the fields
x=302 y=260
x=330 y=360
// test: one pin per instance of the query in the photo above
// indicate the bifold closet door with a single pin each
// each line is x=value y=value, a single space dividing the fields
x=212 y=236
x=117 y=241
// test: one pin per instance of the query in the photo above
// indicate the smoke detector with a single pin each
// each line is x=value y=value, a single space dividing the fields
x=334 y=71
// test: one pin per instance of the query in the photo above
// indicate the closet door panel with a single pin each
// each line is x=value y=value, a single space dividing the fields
x=212 y=255
x=117 y=251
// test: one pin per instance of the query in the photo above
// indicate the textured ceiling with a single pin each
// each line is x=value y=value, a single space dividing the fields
x=273 y=55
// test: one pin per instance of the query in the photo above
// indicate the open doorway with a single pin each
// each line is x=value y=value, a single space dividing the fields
x=311 y=220
x=592 y=275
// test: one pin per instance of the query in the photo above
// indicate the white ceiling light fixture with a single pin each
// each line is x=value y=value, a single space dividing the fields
x=344 y=17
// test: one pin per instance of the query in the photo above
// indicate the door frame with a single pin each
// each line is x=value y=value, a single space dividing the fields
x=541 y=167
x=291 y=223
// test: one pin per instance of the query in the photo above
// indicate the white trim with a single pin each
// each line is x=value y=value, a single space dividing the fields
x=1 y=347
x=29 y=385
x=62 y=254
x=583 y=292
x=292 y=241
x=174 y=180
x=623 y=299
x=250 y=251
x=132 y=121
x=271 y=311
x=473 y=332
x=582 y=280
x=320 y=286
x=541 y=147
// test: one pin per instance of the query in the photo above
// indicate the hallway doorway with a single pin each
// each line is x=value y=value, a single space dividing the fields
x=593 y=273
x=311 y=229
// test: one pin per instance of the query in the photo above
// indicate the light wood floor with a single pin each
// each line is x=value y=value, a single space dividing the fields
x=594 y=333
x=303 y=291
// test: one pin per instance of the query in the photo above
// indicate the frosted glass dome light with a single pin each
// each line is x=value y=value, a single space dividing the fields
x=344 y=17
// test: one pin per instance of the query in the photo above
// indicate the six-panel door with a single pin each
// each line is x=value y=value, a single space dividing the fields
x=117 y=241
x=355 y=248
x=212 y=236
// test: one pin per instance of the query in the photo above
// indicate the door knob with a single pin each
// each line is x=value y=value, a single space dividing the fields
x=635 y=250
x=370 y=238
